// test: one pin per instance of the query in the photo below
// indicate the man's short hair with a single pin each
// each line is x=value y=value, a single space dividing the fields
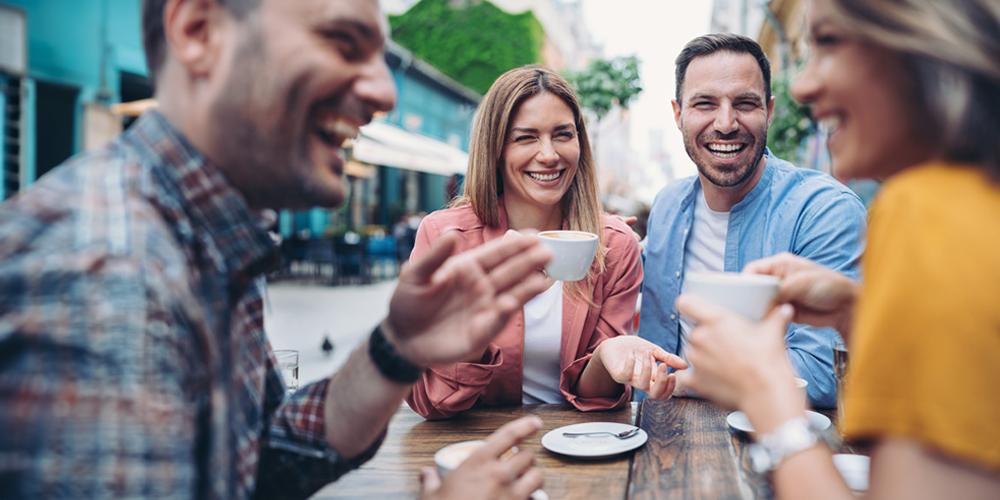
x=721 y=42
x=154 y=40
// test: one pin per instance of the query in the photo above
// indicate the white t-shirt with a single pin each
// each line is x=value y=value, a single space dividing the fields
x=542 y=341
x=705 y=250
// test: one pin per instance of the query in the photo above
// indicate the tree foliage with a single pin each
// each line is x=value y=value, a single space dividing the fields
x=471 y=41
x=607 y=82
x=791 y=124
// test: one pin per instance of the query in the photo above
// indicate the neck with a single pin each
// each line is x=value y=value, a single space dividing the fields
x=522 y=216
x=723 y=199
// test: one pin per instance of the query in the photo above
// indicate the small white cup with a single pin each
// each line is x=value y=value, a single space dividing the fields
x=749 y=295
x=450 y=457
x=572 y=253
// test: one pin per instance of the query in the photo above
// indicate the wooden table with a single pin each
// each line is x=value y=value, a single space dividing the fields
x=411 y=442
x=691 y=453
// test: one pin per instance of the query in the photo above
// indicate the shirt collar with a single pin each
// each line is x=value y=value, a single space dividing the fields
x=214 y=206
x=762 y=183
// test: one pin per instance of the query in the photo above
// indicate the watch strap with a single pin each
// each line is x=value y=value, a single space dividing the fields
x=389 y=362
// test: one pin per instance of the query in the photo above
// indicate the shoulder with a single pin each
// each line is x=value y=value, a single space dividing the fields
x=88 y=220
x=813 y=192
x=945 y=199
x=619 y=238
x=674 y=193
x=461 y=218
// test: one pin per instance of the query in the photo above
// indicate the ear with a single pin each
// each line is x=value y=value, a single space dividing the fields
x=677 y=111
x=770 y=111
x=195 y=31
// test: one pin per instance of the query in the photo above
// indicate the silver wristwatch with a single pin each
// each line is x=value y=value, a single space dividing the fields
x=794 y=436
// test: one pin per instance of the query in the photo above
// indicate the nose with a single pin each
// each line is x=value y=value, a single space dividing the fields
x=547 y=154
x=375 y=86
x=725 y=119
x=805 y=86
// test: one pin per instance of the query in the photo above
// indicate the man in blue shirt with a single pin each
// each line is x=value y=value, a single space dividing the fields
x=744 y=204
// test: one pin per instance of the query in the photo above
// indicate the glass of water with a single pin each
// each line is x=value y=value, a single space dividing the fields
x=288 y=363
x=839 y=372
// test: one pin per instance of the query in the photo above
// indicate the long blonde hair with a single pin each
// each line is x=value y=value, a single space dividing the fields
x=953 y=52
x=581 y=206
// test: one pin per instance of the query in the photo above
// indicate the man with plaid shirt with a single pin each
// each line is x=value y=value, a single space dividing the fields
x=133 y=361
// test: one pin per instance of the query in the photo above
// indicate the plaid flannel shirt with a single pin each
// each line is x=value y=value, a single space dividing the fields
x=133 y=360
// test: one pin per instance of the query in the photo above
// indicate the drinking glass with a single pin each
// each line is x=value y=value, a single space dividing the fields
x=839 y=372
x=288 y=363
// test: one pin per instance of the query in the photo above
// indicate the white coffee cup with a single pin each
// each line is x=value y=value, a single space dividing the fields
x=450 y=457
x=749 y=295
x=572 y=253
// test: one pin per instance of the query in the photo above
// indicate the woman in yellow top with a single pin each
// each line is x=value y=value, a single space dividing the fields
x=911 y=93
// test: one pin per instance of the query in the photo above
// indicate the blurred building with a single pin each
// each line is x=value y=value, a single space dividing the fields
x=64 y=76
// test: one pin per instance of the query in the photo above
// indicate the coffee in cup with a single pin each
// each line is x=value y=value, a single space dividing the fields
x=572 y=253
x=749 y=295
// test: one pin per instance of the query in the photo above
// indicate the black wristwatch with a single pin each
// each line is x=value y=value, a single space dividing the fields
x=388 y=361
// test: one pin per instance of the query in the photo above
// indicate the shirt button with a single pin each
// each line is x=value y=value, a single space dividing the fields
x=673 y=317
x=677 y=274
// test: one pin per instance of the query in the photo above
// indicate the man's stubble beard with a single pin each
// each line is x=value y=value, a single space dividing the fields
x=732 y=178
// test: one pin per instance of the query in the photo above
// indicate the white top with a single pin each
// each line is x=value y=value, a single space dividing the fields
x=705 y=250
x=542 y=341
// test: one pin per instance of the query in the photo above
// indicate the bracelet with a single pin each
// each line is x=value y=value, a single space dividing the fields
x=388 y=360
x=794 y=436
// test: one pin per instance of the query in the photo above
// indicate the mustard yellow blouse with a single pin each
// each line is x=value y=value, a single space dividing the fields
x=925 y=351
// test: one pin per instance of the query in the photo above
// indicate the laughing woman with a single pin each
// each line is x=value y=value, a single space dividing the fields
x=911 y=91
x=530 y=167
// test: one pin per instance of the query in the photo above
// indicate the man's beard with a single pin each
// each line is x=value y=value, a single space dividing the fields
x=261 y=153
x=728 y=178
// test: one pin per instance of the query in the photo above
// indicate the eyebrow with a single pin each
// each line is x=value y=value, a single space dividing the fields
x=365 y=30
x=529 y=129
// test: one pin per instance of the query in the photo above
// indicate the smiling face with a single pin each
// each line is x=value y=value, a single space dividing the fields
x=541 y=155
x=862 y=94
x=723 y=116
x=303 y=77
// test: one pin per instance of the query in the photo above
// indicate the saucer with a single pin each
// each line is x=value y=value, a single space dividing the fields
x=592 y=446
x=739 y=421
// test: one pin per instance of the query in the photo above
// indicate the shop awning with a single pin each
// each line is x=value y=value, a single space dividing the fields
x=384 y=144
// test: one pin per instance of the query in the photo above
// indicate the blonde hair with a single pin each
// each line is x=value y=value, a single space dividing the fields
x=953 y=51
x=581 y=206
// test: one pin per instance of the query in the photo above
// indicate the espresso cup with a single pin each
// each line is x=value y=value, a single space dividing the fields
x=572 y=253
x=749 y=295
x=450 y=457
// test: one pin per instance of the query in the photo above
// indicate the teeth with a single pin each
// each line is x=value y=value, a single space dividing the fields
x=830 y=124
x=544 y=177
x=338 y=128
x=724 y=148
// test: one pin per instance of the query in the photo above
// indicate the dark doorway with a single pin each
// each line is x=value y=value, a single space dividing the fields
x=55 y=124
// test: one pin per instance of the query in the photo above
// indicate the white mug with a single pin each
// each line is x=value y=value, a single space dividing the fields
x=749 y=295
x=572 y=253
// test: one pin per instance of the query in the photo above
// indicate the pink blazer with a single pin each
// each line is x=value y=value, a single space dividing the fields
x=444 y=391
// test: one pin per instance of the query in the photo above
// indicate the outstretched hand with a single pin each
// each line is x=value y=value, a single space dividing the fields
x=447 y=307
x=631 y=360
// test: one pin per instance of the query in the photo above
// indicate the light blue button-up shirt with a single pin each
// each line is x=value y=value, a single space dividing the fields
x=794 y=210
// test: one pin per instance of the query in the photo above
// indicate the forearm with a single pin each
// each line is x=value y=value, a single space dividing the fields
x=359 y=403
x=595 y=381
x=810 y=474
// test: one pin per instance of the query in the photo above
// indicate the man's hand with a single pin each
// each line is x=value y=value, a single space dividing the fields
x=821 y=296
x=493 y=471
x=633 y=361
x=446 y=308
